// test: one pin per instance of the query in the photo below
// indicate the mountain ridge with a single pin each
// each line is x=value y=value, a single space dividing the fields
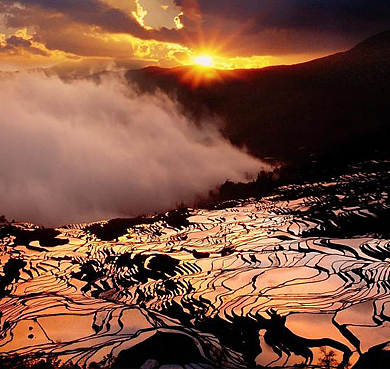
x=332 y=106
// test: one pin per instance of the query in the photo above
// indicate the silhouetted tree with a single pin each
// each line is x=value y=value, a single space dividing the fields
x=328 y=359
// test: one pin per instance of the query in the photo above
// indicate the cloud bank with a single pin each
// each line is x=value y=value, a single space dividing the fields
x=287 y=30
x=73 y=152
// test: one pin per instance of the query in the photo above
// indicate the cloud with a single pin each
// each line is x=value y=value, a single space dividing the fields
x=18 y=41
x=15 y=44
x=269 y=27
x=232 y=28
x=72 y=152
x=314 y=15
x=88 y=29
x=93 y=13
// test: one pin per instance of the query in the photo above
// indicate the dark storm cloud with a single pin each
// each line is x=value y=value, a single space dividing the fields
x=315 y=15
x=18 y=41
x=15 y=44
x=275 y=27
x=91 y=12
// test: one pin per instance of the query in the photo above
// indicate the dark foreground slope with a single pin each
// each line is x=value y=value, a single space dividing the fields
x=337 y=105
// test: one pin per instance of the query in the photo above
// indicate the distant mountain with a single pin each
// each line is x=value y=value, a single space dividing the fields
x=335 y=106
x=378 y=45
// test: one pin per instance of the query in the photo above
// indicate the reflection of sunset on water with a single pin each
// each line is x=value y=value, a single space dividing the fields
x=190 y=271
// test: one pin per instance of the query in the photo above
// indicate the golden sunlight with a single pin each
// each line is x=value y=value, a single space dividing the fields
x=204 y=60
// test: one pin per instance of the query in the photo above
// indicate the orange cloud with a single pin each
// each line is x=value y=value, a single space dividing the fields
x=171 y=32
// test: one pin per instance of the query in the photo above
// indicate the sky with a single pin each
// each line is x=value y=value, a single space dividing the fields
x=131 y=34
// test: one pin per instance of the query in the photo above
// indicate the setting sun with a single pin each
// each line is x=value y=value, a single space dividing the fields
x=204 y=60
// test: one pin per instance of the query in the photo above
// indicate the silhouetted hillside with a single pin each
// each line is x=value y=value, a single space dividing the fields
x=334 y=106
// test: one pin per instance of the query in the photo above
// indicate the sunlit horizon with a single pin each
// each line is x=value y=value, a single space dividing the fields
x=204 y=60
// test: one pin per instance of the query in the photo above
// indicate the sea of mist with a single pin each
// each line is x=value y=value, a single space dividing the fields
x=81 y=151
